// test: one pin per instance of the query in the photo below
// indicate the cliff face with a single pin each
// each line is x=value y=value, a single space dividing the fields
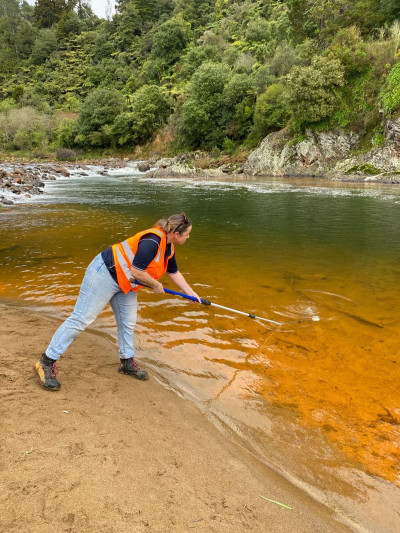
x=328 y=154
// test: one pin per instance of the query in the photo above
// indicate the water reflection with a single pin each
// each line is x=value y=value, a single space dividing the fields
x=279 y=249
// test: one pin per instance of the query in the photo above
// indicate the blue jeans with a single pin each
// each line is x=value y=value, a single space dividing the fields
x=97 y=290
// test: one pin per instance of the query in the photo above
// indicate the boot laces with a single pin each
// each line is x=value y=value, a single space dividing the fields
x=53 y=370
x=134 y=364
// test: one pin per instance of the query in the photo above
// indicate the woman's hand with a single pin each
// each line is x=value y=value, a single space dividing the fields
x=180 y=282
x=192 y=293
x=158 y=288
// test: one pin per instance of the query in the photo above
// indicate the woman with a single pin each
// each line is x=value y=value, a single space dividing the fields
x=112 y=277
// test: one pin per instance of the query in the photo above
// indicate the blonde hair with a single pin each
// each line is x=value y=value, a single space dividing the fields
x=179 y=223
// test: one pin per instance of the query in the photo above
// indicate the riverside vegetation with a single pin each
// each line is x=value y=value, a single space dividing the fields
x=171 y=76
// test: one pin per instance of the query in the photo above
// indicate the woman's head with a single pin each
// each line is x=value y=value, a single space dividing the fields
x=179 y=223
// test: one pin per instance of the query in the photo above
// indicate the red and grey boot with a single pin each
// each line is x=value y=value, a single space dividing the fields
x=130 y=367
x=47 y=370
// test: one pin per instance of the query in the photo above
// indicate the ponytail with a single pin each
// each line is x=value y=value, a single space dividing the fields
x=179 y=223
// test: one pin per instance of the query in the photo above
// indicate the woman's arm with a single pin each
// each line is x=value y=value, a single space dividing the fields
x=144 y=277
x=180 y=282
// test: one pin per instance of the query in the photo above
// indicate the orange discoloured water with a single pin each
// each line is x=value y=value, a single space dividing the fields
x=338 y=377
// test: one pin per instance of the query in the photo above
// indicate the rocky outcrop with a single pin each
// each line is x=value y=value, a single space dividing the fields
x=380 y=164
x=392 y=133
x=309 y=155
x=19 y=182
x=328 y=154
x=175 y=170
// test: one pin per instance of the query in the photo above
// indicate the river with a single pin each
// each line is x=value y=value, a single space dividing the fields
x=318 y=401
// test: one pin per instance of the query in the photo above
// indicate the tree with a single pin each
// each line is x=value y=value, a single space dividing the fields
x=44 y=46
x=204 y=114
x=69 y=24
x=100 y=108
x=390 y=9
x=348 y=46
x=390 y=93
x=271 y=111
x=150 y=110
x=49 y=12
x=16 y=33
x=312 y=92
x=169 y=41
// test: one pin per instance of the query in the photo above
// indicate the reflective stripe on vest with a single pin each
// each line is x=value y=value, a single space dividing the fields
x=124 y=256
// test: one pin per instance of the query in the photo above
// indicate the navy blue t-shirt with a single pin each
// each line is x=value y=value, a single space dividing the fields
x=146 y=252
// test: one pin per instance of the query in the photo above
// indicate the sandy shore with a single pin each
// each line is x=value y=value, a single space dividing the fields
x=110 y=454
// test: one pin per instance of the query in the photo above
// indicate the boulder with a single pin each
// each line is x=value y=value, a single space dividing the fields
x=144 y=166
x=178 y=169
x=392 y=132
x=309 y=155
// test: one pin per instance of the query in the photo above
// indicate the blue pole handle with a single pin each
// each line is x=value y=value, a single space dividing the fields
x=183 y=295
x=176 y=293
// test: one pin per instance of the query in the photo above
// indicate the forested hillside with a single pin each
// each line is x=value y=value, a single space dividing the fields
x=207 y=74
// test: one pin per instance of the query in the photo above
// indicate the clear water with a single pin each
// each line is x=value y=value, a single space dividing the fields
x=281 y=249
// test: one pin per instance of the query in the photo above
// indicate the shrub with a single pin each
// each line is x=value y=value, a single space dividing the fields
x=390 y=93
x=169 y=41
x=100 y=108
x=65 y=154
x=312 y=92
x=150 y=110
x=24 y=129
x=271 y=111
x=348 y=46
x=44 y=46
x=66 y=132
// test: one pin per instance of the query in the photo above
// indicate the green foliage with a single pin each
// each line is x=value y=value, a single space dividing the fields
x=283 y=61
x=99 y=109
x=234 y=70
x=150 y=110
x=220 y=105
x=23 y=129
x=312 y=92
x=365 y=168
x=69 y=24
x=44 y=46
x=390 y=93
x=349 y=47
x=271 y=111
x=209 y=81
x=228 y=146
x=169 y=41
x=7 y=104
x=66 y=132
x=49 y=12
x=196 y=56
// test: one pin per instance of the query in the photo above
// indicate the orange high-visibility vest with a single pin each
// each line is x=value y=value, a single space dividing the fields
x=124 y=253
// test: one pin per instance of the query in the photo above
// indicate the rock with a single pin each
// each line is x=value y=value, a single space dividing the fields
x=143 y=167
x=280 y=155
x=392 y=132
x=375 y=165
x=6 y=202
x=165 y=162
x=178 y=169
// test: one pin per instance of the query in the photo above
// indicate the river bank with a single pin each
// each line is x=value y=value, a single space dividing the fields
x=328 y=155
x=108 y=453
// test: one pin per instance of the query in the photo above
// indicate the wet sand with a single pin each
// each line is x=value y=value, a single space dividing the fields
x=108 y=453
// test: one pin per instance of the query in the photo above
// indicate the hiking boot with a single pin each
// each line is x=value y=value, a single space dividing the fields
x=130 y=367
x=47 y=370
